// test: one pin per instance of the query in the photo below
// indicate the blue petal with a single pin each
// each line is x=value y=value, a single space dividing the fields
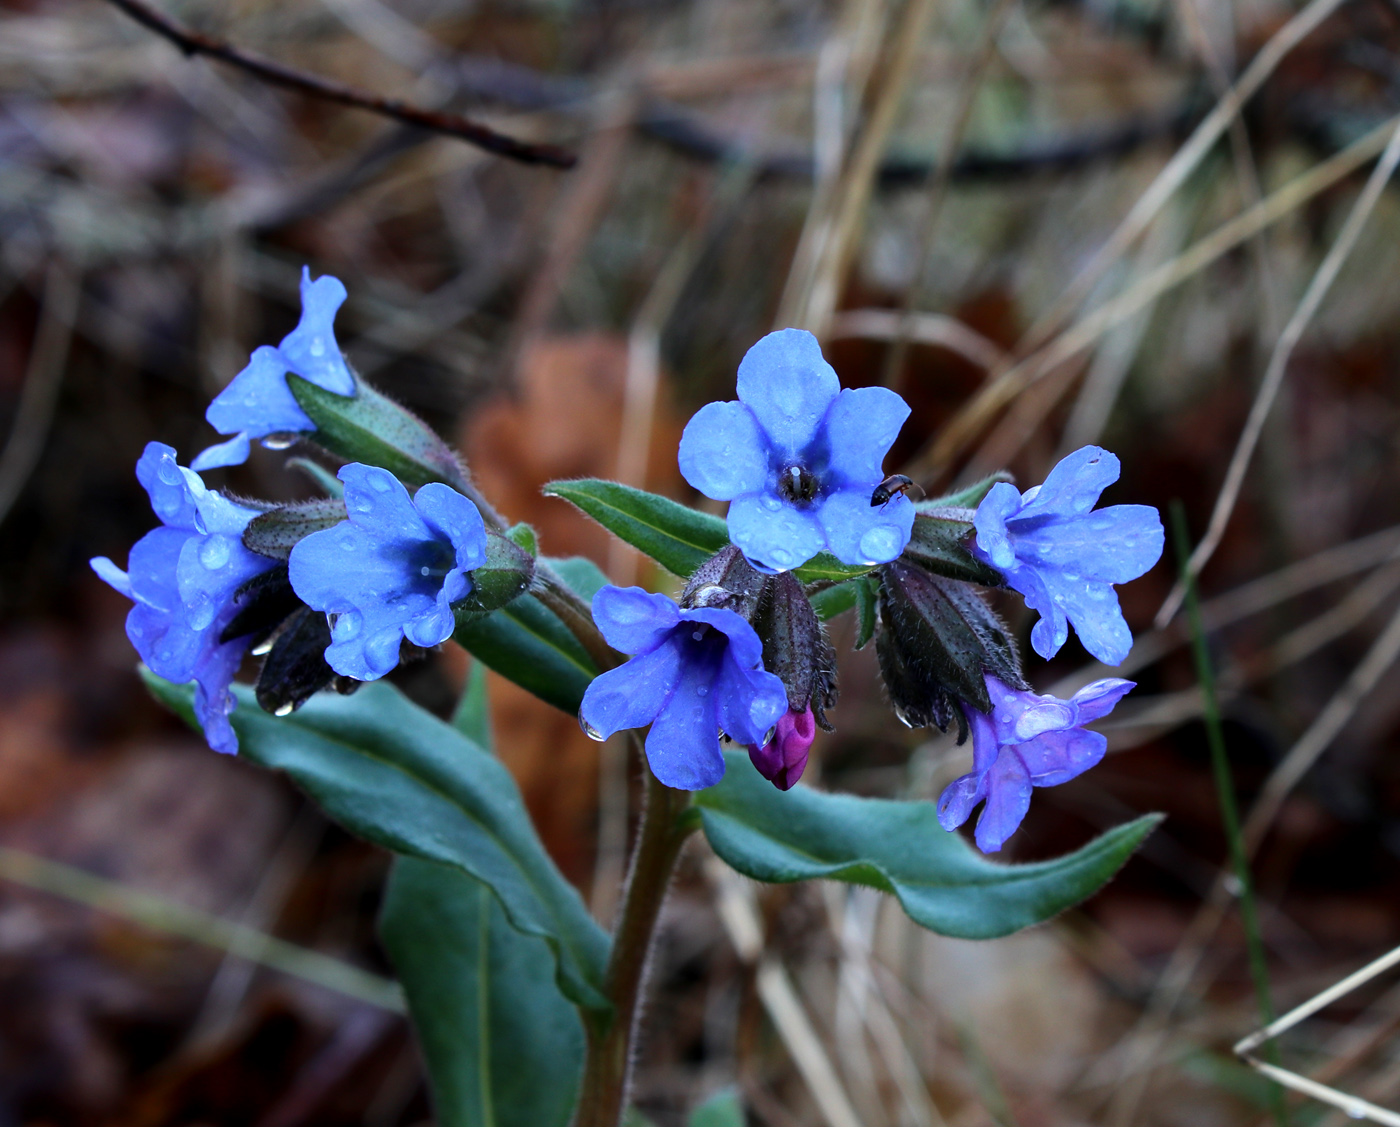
x=171 y=492
x=456 y=520
x=860 y=533
x=744 y=644
x=1074 y=485
x=376 y=500
x=960 y=798
x=750 y=701
x=788 y=386
x=1051 y=632
x=683 y=744
x=1057 y=757
x=1096 y=699
x=234 y=452
x=112 y=575
x=1092 y=609
x=861 y=426
x=773 y=534
x=310 y=349
x=210 y=569
x=258 y=401
x=1008 y=798
x=631 y=695
x=633 y=621
x=723 y=452
x=1113 y=545
x=993 y=544
x=212 y=700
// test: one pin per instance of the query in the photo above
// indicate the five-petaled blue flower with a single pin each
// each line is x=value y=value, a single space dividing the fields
x=695 y=672
x=1026 y=741
x=391 y=571
x=183 y=578
x=1064 y=558
x=258 y=402
x=798 y=459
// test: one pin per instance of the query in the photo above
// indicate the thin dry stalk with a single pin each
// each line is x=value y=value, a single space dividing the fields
x=1278 y=366
x=918 y=328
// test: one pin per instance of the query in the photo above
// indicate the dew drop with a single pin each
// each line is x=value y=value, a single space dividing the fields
x=591 y=732
x=318 y=346
x=363 y=505
x=284 y=709
x=901 y=716
x=702 y=690
x=201 y=613
x=782 y=557
x=347 y=543
x=381 y=482
x=881 y=543
x=772 y=504
x=424 y=572
x=708 y=594
x=262 y=648
x=768 y=737
x=214 y=552
x=348 y=626
x=137 y=632
x=168 y=471
x=1355 y=1110
x=698 y=634
x=279 y=441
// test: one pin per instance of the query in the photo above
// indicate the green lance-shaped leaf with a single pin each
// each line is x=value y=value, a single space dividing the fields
x=503 y=1047
x=389 y=771
x=527 y=643
x=967 y=498
x=680 y=539
x=899 y=848
x=370 y=427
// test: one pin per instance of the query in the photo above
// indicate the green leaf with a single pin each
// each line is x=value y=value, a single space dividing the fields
x=326 y=481
x=899 y=848
x=723 y=1109
x=866 y=593
x=528 y=644
x=503 y=1047
x=389 y=771
x=680 y=539
x=370 y=427
x=472 y=716
x=834 y=600
x=968 y=498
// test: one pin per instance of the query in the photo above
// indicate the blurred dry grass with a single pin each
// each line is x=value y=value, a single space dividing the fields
x=741 y=161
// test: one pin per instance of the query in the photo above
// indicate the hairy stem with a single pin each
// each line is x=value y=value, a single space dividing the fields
x=608 y=1065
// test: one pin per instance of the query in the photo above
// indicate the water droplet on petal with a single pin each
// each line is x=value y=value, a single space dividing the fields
x=424 y=572
x=348 y=625
x=782 y=557
x=698 y=634
x=702 y=690
x=318 y=346
x=591 y=732
x=347 y=543
x=772 y=504
x=881 y=543
x=279 y=441
x=381 y=482
x=214 y=552
x=284 y=709
x=363 y=505
x=168 y=471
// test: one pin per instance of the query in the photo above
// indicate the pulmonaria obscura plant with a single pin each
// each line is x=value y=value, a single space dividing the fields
x=727 y=669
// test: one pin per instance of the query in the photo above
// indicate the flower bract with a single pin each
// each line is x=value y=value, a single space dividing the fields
x=1026 y=740
x=1064 y=556
x=694 y=672
x=798 y=459
x=391 y=571
x=258 y=402
x=783 y=758
x=185 y=578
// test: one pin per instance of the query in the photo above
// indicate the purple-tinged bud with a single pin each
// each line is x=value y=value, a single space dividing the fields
x=784 y=757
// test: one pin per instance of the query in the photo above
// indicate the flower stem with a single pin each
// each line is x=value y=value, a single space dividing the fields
x=607 y=1067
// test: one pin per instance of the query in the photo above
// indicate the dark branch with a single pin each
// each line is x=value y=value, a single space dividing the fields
x=196 y=43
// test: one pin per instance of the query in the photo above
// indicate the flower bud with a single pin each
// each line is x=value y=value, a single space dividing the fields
x=507 y=573
x=784 y=757
x=937 y=640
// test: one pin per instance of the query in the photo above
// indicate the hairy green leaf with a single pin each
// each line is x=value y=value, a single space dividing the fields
x=898 y=847
x=389 y=771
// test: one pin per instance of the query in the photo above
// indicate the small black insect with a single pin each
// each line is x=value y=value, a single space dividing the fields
x=890 y=488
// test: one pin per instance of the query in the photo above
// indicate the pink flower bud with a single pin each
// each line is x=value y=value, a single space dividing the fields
x=784 y=757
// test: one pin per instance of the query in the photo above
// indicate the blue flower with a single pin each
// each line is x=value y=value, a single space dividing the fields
x=1063 y=558
x=391 y=571
x=695 y=672
x=184 y=578
x=798 y=459
x=1026 y=741
x=258 y=402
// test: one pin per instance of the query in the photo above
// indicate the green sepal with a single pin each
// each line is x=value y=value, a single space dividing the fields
x=898 y=847
x=939 y=544
x=394 y=774
x=680 y=539
x=276 y=532
x=867 y=591
x=835 y=599
x=502 y=1046
x=503 y=578
x=525 y=537
x=527 y=643
x=968 y=498
x=370 y=427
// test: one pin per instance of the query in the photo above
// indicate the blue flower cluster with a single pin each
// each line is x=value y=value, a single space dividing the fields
x=185 y=579
x=257 y=402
